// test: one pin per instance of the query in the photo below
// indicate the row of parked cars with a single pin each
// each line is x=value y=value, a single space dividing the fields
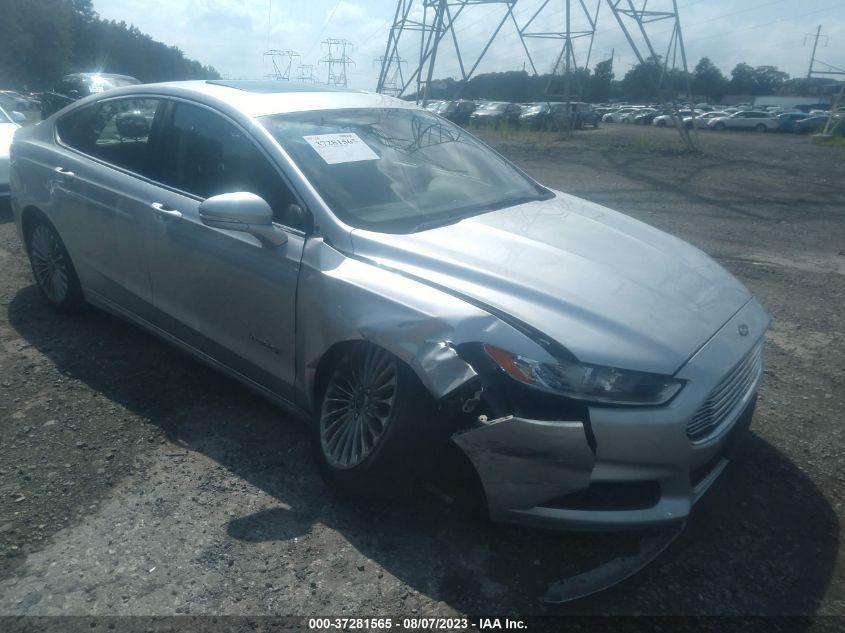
x=14 y=104
x=545 y=115
x=760 y=120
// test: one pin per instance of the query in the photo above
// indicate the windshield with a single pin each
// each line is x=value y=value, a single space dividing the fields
x=101 y=83
x=398 y=170
x=495 y=107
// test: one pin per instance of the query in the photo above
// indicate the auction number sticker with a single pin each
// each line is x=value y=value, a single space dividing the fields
x=341 y=148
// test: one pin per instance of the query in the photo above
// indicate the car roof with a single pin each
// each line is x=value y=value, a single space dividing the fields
x=257 y=98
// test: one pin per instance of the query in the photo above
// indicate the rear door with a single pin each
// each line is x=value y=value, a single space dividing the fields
x=102 y=181
x=221 y=291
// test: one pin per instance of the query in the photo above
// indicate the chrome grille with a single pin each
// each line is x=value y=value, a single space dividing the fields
x=726 y=395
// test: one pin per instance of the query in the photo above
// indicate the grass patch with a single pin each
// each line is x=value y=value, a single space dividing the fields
x=828 y=141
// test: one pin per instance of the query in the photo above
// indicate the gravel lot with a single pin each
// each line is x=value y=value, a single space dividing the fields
x=134 y=480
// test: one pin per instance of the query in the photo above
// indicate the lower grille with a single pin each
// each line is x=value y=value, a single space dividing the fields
x=727 y=394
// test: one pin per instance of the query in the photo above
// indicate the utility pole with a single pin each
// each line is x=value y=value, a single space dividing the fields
x=337 y=61
x=815 y=47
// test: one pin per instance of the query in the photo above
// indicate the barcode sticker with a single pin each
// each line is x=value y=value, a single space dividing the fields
x=341 y=148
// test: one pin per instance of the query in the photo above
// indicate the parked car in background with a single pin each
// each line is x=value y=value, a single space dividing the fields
x=646 y=117
x=11 y=100
x=401 y=288
x=701 y=119
x=496 y=113
x=670 y=119
x=816 y=124
x=756 y=120
x=616 y=115
x=787 y=120
x=78 y=85
x=631 y=117
x=553 y=116
x=8 y=127
x=457 y=111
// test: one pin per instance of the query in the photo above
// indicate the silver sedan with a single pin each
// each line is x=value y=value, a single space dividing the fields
x=380 y=272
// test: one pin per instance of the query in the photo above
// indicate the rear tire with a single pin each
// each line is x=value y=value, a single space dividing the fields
x=661 y=123
x=375 y=429
x=760 y=128
x=719 y=126
x=52 y=267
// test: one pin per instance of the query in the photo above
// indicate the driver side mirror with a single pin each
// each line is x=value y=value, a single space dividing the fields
x=244 y=212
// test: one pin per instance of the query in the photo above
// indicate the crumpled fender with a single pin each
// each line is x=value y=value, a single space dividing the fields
x=344 y=299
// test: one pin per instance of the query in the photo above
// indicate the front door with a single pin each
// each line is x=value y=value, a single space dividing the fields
x=221 y=291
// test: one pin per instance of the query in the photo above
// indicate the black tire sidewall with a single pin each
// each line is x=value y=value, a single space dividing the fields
x=395 y=464
x=73 y=299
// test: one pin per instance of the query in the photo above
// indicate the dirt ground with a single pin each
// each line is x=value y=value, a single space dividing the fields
x=134 y=480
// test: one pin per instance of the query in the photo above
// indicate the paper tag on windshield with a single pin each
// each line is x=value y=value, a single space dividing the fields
x=341 y=148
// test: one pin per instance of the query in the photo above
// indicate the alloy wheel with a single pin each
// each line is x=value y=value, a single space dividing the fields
x=358 y=406
x=49 y=263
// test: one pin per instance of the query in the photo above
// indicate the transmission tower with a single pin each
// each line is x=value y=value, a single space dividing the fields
x=576 y=28
x=626 y=15
x=337 y=60
x=434 y=20
x=306 y=74
x=392 y=85
x=282 y=63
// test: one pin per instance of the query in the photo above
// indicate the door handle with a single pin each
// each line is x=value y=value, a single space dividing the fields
x=164 y=212
x=61 y=171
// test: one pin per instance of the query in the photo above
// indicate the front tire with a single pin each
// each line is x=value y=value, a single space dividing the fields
x=54 y=272
x=375 y=425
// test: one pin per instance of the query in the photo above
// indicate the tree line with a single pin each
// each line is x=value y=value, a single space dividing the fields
x=707 y=81
x=43 y=40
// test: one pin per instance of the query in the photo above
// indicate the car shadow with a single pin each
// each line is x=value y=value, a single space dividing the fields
x=764 y=541
x=5 y=210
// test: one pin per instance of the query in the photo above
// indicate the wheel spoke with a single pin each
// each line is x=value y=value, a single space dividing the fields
x=357 y=406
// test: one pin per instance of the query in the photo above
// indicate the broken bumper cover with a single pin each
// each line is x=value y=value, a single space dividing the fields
x=639 y=469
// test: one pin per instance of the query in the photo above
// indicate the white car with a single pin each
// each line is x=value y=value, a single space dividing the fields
x=630 y=116
x=616 y=117
x=746 y=120
x=669 y=120
x=8 y=126
x=701 y=120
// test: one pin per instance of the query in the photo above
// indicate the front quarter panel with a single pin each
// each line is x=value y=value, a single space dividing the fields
x=343 y=299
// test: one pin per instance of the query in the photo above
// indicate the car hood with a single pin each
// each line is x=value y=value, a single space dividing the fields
x=612 y=290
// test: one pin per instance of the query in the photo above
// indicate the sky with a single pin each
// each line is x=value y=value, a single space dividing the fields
x=233 y=35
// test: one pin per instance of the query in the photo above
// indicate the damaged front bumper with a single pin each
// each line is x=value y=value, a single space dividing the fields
x=619 y=468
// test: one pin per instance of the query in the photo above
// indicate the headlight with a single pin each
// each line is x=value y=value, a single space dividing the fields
x=588 y=382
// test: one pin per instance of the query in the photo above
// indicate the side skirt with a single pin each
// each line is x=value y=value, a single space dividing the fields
x=108 y=306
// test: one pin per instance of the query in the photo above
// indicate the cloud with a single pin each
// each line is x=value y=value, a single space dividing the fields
x=232 y=35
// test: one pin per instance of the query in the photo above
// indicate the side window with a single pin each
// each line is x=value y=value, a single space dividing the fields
x=76 y=129
x=116 y=131
x=208 y=156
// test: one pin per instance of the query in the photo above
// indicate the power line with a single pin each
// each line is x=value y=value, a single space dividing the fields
x=323 y=29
